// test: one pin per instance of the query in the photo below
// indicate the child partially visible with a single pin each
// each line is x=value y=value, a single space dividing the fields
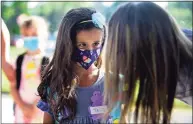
x=72 y=87
x=29 y=67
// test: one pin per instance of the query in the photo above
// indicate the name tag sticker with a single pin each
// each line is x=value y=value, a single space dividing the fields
x=98 y=110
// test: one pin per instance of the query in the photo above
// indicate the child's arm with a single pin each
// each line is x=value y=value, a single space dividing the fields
x=48 y=118
x=6 y=66
x=27 y=109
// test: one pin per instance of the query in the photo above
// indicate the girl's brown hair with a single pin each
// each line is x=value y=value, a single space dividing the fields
x=145 y=48
x=59 y=76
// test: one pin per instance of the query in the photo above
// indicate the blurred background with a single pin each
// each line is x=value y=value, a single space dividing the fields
x=53 y=12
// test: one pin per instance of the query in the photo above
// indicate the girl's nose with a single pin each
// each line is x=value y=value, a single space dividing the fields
x=90 y=47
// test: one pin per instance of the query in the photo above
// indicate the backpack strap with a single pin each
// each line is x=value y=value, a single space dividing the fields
x=19 y=62
x=18 y=69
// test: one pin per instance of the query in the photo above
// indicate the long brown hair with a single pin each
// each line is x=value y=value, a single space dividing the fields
x=146 y=48
x=59 y=76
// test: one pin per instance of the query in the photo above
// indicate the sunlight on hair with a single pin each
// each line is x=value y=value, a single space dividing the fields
x=32 y=5
x=162 y=4
x=108 y=3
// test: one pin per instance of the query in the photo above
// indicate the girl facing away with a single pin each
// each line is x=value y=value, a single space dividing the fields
x=28 y=70
x=148 y=53
x=72 y=86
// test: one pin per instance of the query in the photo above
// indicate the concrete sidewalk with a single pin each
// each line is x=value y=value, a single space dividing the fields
x=7 y=109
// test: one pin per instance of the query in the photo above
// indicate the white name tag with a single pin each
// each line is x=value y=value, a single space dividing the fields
x=98 y=110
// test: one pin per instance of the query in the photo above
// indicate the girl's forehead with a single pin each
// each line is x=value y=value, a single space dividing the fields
x=28 y=31
x=89 y=35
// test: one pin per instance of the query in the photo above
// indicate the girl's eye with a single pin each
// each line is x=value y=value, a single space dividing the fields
x=96 y=44
x=81 y=45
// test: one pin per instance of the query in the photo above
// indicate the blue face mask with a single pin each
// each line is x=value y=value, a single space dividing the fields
x=31 y=43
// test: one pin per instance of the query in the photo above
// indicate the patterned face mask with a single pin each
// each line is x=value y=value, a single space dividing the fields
x=86 y=57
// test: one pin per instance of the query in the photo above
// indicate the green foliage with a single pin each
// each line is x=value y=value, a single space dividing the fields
x=51 y=11
x=184 y=5
x=54 y=11
x=10 y=12
x=183 y=17
x=182 y=12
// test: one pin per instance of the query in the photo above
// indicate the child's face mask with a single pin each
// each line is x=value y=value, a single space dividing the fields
x=86 y=57
x=31 y=43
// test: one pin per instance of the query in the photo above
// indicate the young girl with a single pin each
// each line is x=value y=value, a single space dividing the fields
x=72 y=87
x=145 y=48
x=28 y=70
